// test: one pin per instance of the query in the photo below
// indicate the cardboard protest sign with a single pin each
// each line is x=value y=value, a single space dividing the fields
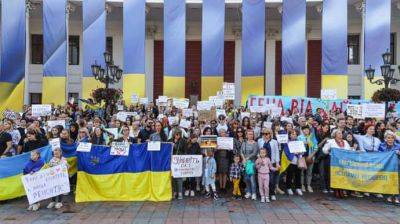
x=204 y=105
x=180 y=103
x=228 y=90
x=39 y=110
x=119 y=149
x=186 y=165
x=84 y=147
x=46 y=183
x=206 y=115
x=373 y=110
x=225 y=143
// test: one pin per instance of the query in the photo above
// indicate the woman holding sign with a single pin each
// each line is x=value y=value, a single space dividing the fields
x=293 y=175
x=180 y=148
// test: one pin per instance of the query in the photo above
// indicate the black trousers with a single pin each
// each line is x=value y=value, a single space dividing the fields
x=293 y=174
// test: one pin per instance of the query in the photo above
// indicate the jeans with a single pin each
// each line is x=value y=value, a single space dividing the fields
x=250 y=181
x=190 y=184
x=306 y=175
x=177 y=185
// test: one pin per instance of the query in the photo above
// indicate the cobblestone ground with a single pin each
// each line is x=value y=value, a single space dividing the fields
x=316 y=208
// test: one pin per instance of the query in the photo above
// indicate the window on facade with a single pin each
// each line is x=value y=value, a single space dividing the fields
x=35 y=98
x=73 y=54
x=36 y=49
x=353 y=49
x=109 y=45
x=393 y=47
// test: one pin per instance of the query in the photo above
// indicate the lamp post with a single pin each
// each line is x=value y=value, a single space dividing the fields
x=109 y=75
x=387 y=74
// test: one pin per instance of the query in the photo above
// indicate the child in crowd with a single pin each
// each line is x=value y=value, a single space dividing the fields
x=235 y=174
x=264 y=166
x=58 y=159
x=210 y=168
x=34 y=165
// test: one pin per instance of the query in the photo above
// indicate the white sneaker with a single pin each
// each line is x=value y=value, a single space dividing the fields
x=30 y=208
x=273 y=198
x=267 y=200
x=197 y=187
x=191 y=193
x=180 y=197
x=35 y=207
x=309 y=189
x=262 y=200
x=289 y=192
x=248 y=195
x=254 y=197
x=379 y=195
x=325 y=191
x=299 y=192
x=366 y=194
x=58 y=205
x=187 y=193
x=51 y=205
x=279 y=191
x=303 y=188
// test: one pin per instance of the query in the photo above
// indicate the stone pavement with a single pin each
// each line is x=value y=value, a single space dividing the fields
x=315 y=208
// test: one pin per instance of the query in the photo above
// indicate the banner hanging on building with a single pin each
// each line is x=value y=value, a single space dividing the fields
x=94 y=42
x=334 y=47
x=375 y=172
x=212 y=47
x=377 y=39
x=294 y=48
x=13 y=49
x=174 y=48
x=253 y=48
x=54 y=52
x=134 y=34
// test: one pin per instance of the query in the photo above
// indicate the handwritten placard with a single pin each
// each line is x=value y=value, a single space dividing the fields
x=119 y=149
x=52 y=124
x=55 y=143
x=296 y=147
x=153 y=146
x=282 y=138
x=225 y=143
x=328 y=94
x=84 y=147
x=373 y=110
x=187 y=112
x=180 y=103
x=39 y=110
x=228 y=90
x=186 y=165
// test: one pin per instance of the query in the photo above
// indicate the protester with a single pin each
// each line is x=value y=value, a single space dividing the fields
x=235 y=175
x=5 y=141
x=210 y=169
x=58 y=159
x=35 y=164
x=264 y=167
x=249 y=151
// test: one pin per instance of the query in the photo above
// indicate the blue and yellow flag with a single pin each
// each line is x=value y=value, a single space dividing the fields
x=13 y=49
x=286 y=158
x=54 y=52
x=11 y=172
x=142 y=176
x=374 y=172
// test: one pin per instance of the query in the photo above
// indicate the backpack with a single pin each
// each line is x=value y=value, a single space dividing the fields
x=249 y=167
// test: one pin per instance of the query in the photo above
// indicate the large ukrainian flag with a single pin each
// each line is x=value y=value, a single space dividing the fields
x=253 y=48
x=11 y=171
x=134 y=79
x=13 y=46
x=94 y=43
x=55 y=52
x=142 y=176
x=286 y=158
x=212 y=47
x=293 y=48
x=334 y=47
x=174 y=48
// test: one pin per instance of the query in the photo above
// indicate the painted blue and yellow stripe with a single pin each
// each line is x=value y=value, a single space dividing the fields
x=142 y=176
x=134 y=25
x=94 y=43
x=13 y=45
x=293 y=48
x=55 y=52
x=174 y=48
x=253 y=48
x=212 y=47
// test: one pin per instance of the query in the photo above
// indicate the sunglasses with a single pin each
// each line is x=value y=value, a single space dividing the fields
x=266 y=133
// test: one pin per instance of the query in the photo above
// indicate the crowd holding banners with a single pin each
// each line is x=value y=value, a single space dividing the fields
x=254 y=154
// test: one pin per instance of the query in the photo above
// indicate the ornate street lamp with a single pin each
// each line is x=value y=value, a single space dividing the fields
x=110 y=74
x=387 y=74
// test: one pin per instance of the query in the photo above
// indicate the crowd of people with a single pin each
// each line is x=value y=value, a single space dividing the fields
x=252 y=170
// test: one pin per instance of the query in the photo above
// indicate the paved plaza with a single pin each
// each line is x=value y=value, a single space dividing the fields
x=316 y=208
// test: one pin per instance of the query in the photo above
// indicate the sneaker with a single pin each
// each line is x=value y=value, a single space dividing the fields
x=299 y=192
x=325 y=191
x=187 y=192
x=248 y=195
x=262 y=199
x=238 y=197
x=208 y=195
x=366 y=194
x=331 y=191
x=390 y=199
x=267 y=200
x=379 y=195
x=180 y=197
x=191 y=193
x=397 y=201
x=303 y=188
x=309 y=189
x=279 y=191
x=215 y=195
x=357 y=194
x=35 y=207
x=174 y=194
x=198 y=187
x=273 y=198
x=30 y=208
x=254 y=197
x=51 y=205
x=289 y=191
x=58 y=205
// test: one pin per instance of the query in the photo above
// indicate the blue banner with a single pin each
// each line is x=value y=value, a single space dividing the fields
x=376 y=32
x=376 y=172
x=13 y=49
x=334 y=37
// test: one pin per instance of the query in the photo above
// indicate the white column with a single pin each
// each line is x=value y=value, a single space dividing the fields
x=270 y=67
x=149 y=70
x=362 y=62
x=67 y=12
x=238 y=71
